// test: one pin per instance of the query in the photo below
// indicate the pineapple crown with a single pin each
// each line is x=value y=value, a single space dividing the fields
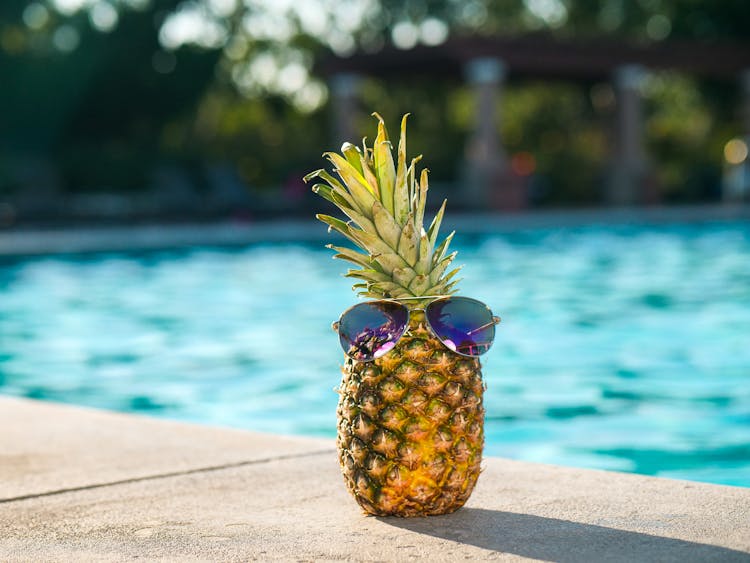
x=385 y=204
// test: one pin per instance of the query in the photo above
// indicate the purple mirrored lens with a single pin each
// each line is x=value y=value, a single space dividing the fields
x=369 y=330
x=464 y=325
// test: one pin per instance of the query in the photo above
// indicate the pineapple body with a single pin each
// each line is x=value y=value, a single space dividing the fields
x=410 y=423
x=410 y=427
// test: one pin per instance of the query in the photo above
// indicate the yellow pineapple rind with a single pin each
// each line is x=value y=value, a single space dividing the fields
x=410 y=430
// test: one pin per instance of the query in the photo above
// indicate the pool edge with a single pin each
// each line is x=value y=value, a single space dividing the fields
x=110 y=486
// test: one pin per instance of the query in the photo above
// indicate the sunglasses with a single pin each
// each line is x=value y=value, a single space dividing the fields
x=370 y=330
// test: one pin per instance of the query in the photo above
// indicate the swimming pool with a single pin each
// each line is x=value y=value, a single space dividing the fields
x=622 y=348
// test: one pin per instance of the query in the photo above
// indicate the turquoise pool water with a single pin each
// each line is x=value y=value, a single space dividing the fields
x=621 y=348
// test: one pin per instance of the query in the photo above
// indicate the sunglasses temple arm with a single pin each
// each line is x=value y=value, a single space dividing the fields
x=494 y=321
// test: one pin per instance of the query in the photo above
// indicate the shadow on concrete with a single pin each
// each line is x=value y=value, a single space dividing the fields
x=563 y=541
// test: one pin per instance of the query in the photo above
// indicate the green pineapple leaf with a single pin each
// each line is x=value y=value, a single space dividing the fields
x=352 y=256
x=408 y=243
x=386 y=225
x=385 y=169
x=401 y=189
x=432 y=232
x=421 y=197
x=359 y=189
x=352 y=155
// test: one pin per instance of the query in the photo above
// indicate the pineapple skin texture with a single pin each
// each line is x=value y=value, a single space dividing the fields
x=411 y=427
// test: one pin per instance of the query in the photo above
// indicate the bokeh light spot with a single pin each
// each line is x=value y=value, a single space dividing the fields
x=342 y=43
x=433 y=31
x=192 y=24
x=68 y=7
x=473 y=14
x=12 y=40
x=523 y=163
x=551 y=12
x=236 y=48
x=735 y=151
x=222 y=8
x=35 y=16
x=103 y=16
x=405 y=35
x=292 y=77
x=310 y=97
x=658 y=27
x=66 y=38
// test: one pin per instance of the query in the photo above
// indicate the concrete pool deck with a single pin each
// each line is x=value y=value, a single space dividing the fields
x=80 y=484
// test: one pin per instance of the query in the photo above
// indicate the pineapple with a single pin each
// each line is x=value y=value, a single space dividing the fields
x=410 y=423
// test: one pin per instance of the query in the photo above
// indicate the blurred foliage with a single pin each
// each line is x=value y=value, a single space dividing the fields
x=632 y=19
x=98 y=110
x=110 y=100
x=432 y=132
x=269 y=142
x=684 y=142
x=558 y=125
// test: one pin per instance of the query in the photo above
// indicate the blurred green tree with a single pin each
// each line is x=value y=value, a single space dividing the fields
x=94 y=101
x=108 y=89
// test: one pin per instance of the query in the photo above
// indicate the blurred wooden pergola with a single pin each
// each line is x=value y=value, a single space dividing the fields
x=485 y=63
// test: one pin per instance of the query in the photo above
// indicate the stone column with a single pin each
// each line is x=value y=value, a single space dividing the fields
x=485 y=161
x=628 y=178
x=344 y=90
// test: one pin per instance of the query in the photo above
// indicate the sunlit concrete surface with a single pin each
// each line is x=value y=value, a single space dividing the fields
x=78 y=484
x=22 y=242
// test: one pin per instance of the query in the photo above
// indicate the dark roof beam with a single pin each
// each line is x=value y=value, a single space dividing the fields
x=545 y=57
